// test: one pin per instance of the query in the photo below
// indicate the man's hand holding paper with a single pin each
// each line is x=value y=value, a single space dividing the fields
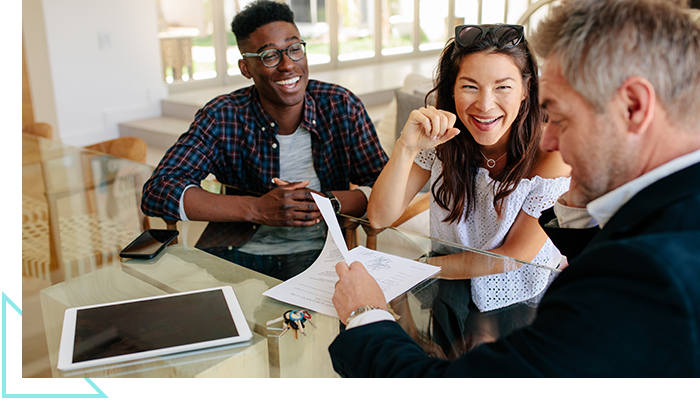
x=355 y=288
x=375 y=277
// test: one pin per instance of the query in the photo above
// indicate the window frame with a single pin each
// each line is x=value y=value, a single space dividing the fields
x=221 y=27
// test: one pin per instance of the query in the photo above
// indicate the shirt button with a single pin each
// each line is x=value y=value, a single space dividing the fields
x=313 y=122
x=272 y=125
x=274 y=145
x=263 y=129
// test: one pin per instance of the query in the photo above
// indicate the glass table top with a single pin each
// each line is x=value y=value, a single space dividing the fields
x=80 y=208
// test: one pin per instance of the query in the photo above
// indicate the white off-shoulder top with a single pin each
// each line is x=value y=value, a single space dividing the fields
x=484 y=230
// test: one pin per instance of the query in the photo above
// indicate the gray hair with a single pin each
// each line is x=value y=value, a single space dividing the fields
x=601 y=43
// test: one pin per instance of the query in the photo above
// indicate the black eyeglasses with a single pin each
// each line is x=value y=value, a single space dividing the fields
x=272 y=57
x=509 y=35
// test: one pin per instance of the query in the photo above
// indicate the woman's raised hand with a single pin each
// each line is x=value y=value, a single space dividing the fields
x=427 y=128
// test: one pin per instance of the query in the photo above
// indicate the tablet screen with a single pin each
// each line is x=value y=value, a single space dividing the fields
x=160 y=325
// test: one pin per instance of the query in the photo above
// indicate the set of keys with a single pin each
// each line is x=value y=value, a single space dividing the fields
x=294 y=320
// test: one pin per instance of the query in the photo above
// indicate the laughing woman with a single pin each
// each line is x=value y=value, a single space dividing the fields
x=489 y=183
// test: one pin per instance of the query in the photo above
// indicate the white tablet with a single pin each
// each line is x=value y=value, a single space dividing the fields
x=153 y=326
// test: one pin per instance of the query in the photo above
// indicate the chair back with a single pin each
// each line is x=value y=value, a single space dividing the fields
x=40 y=129
x=131 y=148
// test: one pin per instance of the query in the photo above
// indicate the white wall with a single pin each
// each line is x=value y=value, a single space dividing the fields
x=96 y=63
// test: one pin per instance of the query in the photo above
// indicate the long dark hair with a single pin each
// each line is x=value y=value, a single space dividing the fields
x=460 y=156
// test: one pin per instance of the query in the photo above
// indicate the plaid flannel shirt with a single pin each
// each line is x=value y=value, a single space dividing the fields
x=233 y=138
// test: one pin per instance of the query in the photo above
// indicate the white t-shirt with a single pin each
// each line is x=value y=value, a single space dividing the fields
x=296 y=165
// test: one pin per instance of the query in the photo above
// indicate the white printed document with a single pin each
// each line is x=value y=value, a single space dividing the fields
x=313 y=289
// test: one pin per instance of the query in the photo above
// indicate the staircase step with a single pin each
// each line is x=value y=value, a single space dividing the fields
x=186 y=104
x=159 y=132
x=375 y=103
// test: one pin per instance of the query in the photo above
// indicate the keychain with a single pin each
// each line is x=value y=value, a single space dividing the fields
x=294 y=320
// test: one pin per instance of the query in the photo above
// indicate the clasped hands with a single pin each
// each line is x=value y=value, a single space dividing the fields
x=289 y=204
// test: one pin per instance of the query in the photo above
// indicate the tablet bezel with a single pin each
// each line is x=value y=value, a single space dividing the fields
x=65 y=353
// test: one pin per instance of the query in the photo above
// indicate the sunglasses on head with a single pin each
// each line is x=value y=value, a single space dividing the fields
x=507 y=35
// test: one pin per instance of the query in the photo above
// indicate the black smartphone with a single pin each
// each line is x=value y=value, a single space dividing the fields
x=149 y=243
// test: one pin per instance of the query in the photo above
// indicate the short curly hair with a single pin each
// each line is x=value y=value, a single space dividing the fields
x=257 y=14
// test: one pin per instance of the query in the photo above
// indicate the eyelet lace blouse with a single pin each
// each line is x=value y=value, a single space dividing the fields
x=485 y=231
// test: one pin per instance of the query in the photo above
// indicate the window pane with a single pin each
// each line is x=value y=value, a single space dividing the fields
x=516 y=8
x=397 y=26
x=231 y=8
x=186 y=32
x=356 y=29
x=310 y=17
x=466 y=13
x=493 y=11
x=433 y=24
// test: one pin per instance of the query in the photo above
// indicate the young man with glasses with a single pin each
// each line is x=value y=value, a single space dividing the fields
x=283 y=137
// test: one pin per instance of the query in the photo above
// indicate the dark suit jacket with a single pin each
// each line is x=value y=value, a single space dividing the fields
x=628 y=305
x=570 y=242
